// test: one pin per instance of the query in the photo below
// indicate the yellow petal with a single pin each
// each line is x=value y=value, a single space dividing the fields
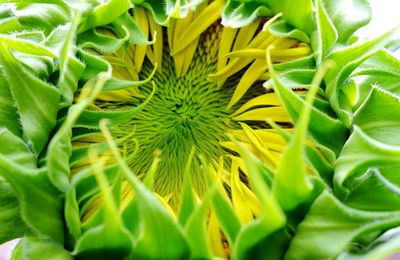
x=164 y=202
x=274 y=141
x=140 y=51
x=267 y=155
x=206 y=18
x=179 y=27
x=214 y=236
x=248 y=53
x=269 y=99
x=261 y=41
x=239 y=200
x=277 y=114
x=225 y=45
x=251 y=75
x=245 y=35
x=117 y=95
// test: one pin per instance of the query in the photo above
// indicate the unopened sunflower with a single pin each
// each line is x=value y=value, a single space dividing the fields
x=196 y=130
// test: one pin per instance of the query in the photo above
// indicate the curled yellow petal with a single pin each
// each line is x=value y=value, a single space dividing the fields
x=269 y=99
x=140 y=52
x=207 y=17
x=277 y=114
x=251 y=75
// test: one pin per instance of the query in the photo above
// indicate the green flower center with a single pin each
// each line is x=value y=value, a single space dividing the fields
x=186 y=112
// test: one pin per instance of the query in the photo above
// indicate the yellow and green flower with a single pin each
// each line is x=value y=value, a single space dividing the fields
x=197 y=130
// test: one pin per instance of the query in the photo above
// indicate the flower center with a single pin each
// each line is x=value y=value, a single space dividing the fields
x=186 y=112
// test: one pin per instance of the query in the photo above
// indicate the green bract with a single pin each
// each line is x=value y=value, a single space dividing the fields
x=151 y=129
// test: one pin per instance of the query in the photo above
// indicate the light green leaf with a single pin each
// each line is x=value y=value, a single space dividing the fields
x=345 y=24
x=12 y=225
x=71 y=212
x=188 y=201
x=35 y=248
x=36 y=101
x=379 y=116
x=284 y=30
x=322 y=127
x=386 y=195
x=360 y=153
x=70 y=69
x=157 y=8
x=111 y=237
x=383 y=70
x=26 y=46
x=347 y=60
x=272 y=218
x=34 y=191
x=42 y=16
x=160 y=235
x=59 y=150
x=326 y=34
x=239 y=13
x=195 y=227
x=94 y=64
x=385 y=247
x=104 y=14
x=16 y=150
x=135 y=34
x=300 y=18
x=329 y=228
x=102 y=42
x=8 y=111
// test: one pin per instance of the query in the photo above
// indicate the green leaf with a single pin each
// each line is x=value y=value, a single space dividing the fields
x=360 y=153
x=71 y=213
x=385 y=247
x=12 y=225
x=239 y=13
x=36 y=101
x=157 y=8
x=326 y=34
x=226 y=216
x=188 y=201
x=195 y=227
x=26 y=46
x=35 y=248
x=8 y=111
x=34 y=191
x=330 y=227
x=94 y=64
x=379 y=116
x=63 y=38
x=59 y=150
x=104 y=14
x=15 y=150
x=383 y=70
x=322 y=127
x=345 y=24
x=271 y=220
x=305 y=63
x=386 y=195
x=301 y=18
x=111 y=237
x=160 y=235
x=347 y=60
x=41 y=16
x=102 y=41
x=292 y=186
x=284 y=30
x=91 y=118
x=135 y=34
